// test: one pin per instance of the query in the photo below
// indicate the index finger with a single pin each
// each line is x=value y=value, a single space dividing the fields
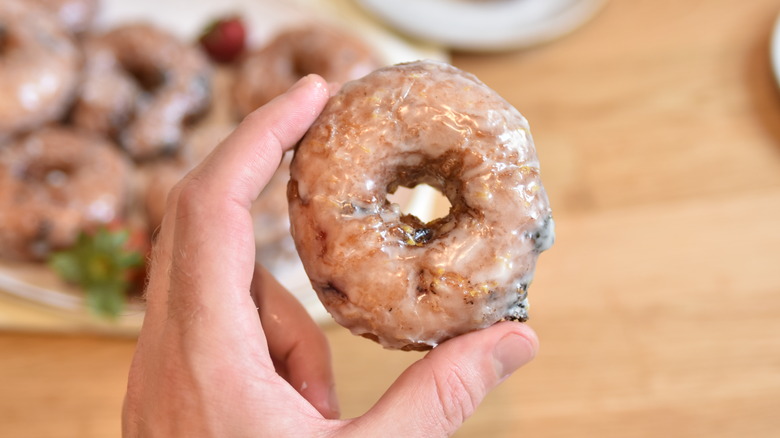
x=213 y=251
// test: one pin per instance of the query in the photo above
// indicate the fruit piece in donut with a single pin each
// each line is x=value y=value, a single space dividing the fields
x=177 y=78
x=53 y=184
x=39 y=66
x=387 y=275
x=327 y=51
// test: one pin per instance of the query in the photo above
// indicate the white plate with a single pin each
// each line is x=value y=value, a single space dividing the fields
x=37 y=284
x=487 y=25
x=774 y=50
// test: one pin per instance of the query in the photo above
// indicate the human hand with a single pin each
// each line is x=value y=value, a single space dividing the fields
x=225 y=351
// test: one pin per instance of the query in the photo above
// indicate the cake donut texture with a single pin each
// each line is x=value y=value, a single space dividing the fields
x=387 y=275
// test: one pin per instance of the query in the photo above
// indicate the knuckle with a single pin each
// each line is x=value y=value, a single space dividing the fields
x=458 y=394
x=186 y=196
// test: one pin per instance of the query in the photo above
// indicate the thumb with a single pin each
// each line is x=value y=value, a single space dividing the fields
x=440 y=391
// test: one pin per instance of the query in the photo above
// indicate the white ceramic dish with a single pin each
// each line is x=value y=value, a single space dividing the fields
x=37 y=284
x=487 y=25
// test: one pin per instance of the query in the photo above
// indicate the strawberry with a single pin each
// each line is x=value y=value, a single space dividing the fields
x=224 y=39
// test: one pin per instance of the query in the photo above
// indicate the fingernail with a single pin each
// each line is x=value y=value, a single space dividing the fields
x=512 y=352
x=302 y=82
x=307 y=81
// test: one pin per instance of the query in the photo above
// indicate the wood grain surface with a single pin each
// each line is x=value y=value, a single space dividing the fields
x=658 y=308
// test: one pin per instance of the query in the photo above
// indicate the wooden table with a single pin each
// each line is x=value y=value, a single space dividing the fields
x=658 y=127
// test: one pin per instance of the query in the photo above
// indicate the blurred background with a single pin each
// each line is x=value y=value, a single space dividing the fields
x=657 y=124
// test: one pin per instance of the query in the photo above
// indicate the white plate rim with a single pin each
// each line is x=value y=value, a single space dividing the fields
x=476 y=28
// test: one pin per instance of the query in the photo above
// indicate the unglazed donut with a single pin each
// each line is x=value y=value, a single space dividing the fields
x=387 y=275
x=55 y=183
x=327 y=51
x=39 y=67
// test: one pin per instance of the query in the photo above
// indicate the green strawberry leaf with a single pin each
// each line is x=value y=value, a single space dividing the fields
x=99 y=263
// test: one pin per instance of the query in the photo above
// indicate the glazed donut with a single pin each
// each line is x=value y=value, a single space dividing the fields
x=39 y=67
x=177 y=77
x=108 y=94
x=53 y=184
x=327 y=51
x=387 y=275
x=77 y=16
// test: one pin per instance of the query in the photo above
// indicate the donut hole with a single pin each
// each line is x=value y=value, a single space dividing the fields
x=9 y=42
x=53 y=177
x=421 y=201
x=433 y=187
x=301 y=67
x=53 y=174
x=148 y=78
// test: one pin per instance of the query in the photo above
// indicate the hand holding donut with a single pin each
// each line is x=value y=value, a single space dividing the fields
x=209 y=363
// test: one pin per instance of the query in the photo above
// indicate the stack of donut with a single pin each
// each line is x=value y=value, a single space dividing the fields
x=80 y=114
x=55 y=180
x=96 y=126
